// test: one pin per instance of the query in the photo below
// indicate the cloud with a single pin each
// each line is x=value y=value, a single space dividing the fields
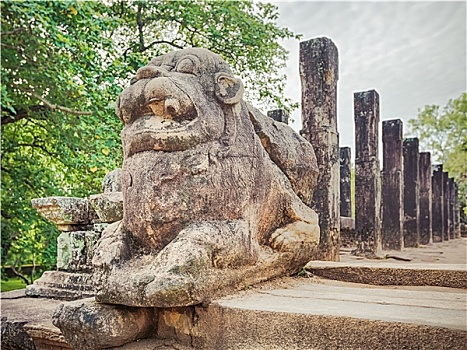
x=412 y=53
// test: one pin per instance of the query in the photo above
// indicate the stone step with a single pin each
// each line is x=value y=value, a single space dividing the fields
x=322 y=314
x=62 y=285
x=295 y=313
x=377 y=272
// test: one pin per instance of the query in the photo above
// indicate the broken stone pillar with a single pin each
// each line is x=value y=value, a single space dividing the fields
x=319 y=74
x=367 y=173
x=424 y=173
x=446 y=206
x=437 y=185
x=452 y=233
x=279 y=115
x=345 y=192
x=392 y=186
x=411 y=193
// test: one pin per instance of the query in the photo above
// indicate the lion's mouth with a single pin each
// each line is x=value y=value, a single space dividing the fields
x=154 y=122
x=164 y=115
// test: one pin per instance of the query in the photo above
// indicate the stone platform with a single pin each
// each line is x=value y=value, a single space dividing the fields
x=303 y=313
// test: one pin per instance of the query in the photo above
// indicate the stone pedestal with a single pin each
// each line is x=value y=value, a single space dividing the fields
x=446 y=206
x=411 y=193
x=319 y=74
x=345 y=190
x=279 y=115
x=424 y=172
x=367 y=173
x=81 y=223
x=73 y=280
x=437 y=203
x=392 y=186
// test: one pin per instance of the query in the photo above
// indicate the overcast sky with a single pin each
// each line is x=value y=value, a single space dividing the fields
x=412 y=53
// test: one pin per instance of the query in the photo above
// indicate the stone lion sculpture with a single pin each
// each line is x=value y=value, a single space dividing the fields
x=214 y=192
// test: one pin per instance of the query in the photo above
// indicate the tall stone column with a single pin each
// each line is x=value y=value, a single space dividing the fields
x=437 y=184
x=367 y=173
x=457 y=218
x=411 y=193
x=425 y=201
x=446 y=205
x=345 y=192
x=452 y=233
x=392 y=186
x=319 y=74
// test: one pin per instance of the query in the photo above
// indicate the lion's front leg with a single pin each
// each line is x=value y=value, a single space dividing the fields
x=186 y=270
x=191 y=264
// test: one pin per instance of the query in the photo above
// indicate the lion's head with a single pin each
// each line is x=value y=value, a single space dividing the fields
x=177 y=101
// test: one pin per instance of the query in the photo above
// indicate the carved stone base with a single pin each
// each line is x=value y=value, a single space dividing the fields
x=62 y=285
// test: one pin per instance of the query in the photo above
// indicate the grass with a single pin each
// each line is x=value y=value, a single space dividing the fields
x=12 y=284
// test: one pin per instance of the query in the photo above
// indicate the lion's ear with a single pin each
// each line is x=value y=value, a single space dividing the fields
x=229 y=90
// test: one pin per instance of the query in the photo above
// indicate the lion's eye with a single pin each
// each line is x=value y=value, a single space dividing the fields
x=187 y=65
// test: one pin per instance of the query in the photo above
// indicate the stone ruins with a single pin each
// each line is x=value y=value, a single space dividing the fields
x=214 y=197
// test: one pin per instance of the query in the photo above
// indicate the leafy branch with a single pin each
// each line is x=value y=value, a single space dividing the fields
x=54 y=107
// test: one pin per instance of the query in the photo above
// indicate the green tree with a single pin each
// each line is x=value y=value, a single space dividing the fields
x=443 y=131
x=63 y=64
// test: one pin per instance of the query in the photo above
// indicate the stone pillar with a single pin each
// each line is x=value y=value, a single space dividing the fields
x=367 y=173
x=392 y=186
x=319 y=75
x=279 y=115
x=345 y=192
x=452 y=233
x=424 y=173
x=457 y=218
x=446 y=205
x=437 y=184
x=411 y=193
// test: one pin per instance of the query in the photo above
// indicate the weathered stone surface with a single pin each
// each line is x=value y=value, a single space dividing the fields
x=35 y=314
x=297 y=160
x=90 y=241
x=75 y=250
x=14 y=337
x=62 y=285
x=112 y=181
x=345 y=192
x=319 y=72
x=457 y=223
x=88 y=325
x=323 y=315
x=452 y=204
x=279 y=115
x=425 y=201
x=438 y=203
x=211 y=189
x=64 y=210
x=108 y=206
x=392 y=200
x=446 y=206
x=367 y=173
x=411 y=193
x=386 y=273
x=347 y=232
x=63 y=251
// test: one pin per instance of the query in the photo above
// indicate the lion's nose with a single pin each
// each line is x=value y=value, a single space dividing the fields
x=149 y=72
x=172 y=106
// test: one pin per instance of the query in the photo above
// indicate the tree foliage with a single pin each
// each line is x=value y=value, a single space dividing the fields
x=63 y=64
x=443 y=131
